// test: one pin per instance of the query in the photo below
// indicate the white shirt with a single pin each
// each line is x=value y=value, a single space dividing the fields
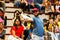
x=26 y=17
x=57 y=7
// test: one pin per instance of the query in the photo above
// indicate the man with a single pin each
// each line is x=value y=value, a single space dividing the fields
x=38 y=31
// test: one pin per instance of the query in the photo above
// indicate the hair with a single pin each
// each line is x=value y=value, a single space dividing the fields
x=45 y=20
x=17 y=13
x=15 y=23
x=2 y=13
x=57 y=3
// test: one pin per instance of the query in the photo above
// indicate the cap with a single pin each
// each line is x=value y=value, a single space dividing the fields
x=1 y=20
x=35 y=9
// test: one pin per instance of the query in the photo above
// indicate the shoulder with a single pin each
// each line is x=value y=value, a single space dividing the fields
x=21 y=26
x=13 y=27
x=34 y=18
x=41 y=20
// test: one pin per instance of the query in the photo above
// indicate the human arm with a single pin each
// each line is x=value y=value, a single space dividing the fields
x=31 y=35
x=22 y=35
x=26 y=18
x=52 y=8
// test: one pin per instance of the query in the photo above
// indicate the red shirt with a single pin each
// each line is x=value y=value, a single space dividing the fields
x=17 y=31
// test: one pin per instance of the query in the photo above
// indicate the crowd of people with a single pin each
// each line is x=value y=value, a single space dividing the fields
x=33 y=28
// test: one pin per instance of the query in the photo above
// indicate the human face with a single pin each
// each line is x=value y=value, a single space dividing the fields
x=45 y=23
x=35 y=13
x=1 y=13
x=17 y=22
x=1 y=25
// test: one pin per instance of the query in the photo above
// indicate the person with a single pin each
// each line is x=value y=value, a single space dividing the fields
x=48 y=7
x=5 y=21
x=16 y=31
x=38 y=31
x=56 y=29
x=3 y=17
x=30 y=32
x=17 y=3
x=30 y=5
x=1 y=13
x=37 y=4
x=2 y=31
x=23 y=3
x=58 y=20
x=26 y=31
x=57 y=7
x=2 y=4
x=51 y=28
x=45 y=28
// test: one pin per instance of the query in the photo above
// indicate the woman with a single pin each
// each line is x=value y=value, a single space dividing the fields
x=2 y=32
x=48 y=7
x=1 y=13
x=16 y=31
x=57 y=7
x=3 y=17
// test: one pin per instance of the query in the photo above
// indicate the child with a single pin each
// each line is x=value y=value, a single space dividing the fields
x=2 y=31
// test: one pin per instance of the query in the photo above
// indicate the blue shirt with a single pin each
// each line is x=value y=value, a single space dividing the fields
x=38 y=26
